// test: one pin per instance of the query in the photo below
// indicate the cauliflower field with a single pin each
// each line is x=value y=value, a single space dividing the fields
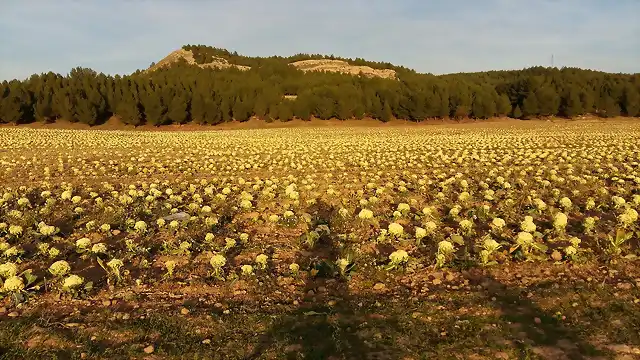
x=283 y=215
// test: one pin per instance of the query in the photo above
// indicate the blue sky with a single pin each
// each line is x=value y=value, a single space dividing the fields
x=120 y=36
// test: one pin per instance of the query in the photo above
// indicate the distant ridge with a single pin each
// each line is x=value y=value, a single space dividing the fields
x=207 y=85
x=329 y=65
x=187 y=56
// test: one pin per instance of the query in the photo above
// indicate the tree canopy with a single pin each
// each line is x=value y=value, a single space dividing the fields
x=272 y=89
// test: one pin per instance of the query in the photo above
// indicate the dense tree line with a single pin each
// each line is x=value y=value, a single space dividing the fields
x=183 y=93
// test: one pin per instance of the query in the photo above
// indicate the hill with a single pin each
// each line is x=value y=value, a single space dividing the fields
x=187 y=56
x=208 y=85
x=216 y=61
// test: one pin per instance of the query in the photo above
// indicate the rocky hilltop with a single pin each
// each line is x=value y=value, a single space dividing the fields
x=187 y=55
x=343 y=67
x=328 y=65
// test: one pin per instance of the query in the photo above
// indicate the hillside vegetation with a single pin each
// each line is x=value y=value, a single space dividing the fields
x=210 y=86
x=220 y=62
x=182 y=55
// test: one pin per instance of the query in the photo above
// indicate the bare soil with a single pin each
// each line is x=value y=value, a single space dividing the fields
x=522 y=311
x=115 y=124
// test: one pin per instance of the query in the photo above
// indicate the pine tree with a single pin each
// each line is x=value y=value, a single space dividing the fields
x=631 y=101
x=225 y=109
x=419 y=107
x=284 y=111
x=241 y=110
x=177 y=110
x=610 y=107
x=503 y=105
x=63 y=105
x=548 y=101
x=442 y=102
x=128 y=111
x=213 y=111
x=325 y=107
x=301 y=108
x=432 y=103
x=483 y=106
x=274 y=112
x=98 y=102
x=376 y=108
x=198 y=109
x=345 y=106
x=587 y=101
x=85 y=111
x=517 y=113
x=154 y=110
x=21 y=98
x=387 y=115
x=530 y=106
x=570 y=104
x=43 y=110
x=112 y=94
x=460 y=101
x=260 y=107
x=11 y=109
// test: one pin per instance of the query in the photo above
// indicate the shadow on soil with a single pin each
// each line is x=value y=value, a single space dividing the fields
x=536 y=330
x=329 y=323
x=317 y=331
x=324 y=325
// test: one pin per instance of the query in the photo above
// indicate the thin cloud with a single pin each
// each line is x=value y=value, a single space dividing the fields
x=120 y=36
